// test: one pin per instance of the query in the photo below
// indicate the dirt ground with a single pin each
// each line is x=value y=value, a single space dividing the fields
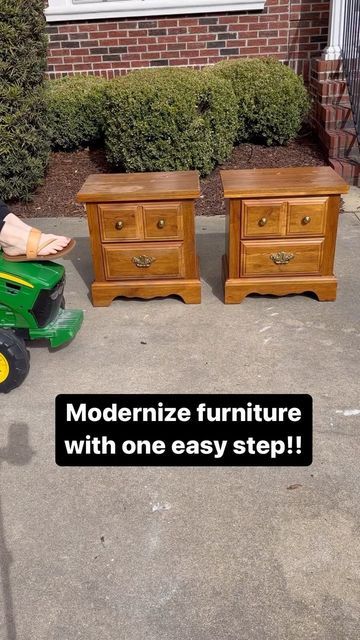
x=68 y=171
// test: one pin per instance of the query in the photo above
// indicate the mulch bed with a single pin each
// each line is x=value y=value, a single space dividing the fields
x=68 y=171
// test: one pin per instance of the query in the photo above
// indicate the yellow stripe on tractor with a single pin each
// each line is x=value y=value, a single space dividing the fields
x=7 y=276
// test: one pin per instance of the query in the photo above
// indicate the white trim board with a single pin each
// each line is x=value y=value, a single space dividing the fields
x=65 y=10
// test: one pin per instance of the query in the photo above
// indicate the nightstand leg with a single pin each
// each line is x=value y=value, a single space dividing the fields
x=326 y=292
x=101 y=296
x=191 y=293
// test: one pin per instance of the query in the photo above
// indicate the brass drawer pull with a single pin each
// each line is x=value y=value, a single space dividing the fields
x=119 y=225
x=306 y=220
x=262 y=222
x=161 y=223
x=143 y=261
x=282 y=257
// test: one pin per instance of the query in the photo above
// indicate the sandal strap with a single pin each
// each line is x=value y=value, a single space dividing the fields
x=45 y=244
x=32 y=245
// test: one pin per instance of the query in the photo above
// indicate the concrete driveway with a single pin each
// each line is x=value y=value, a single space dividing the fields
x=188 y=554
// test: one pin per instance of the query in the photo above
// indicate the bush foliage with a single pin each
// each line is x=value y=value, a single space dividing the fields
x=272 y=99
x=23 y=133
x=151 y=120
x=75 y=111
x=169 y=119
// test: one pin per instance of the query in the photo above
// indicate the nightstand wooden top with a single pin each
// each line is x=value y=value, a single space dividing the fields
x=137 y=187
x=287 y=181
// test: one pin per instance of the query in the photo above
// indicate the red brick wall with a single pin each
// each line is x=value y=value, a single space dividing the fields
x=293 y=31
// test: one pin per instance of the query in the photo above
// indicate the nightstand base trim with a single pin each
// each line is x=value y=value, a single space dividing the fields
x=103 y=293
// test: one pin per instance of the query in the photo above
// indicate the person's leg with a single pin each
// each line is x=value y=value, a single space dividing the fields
x=14 y=235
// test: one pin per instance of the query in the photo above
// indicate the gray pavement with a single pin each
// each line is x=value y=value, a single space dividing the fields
x=234 y=554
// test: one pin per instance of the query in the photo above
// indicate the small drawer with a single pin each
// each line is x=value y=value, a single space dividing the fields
x=282 y=257
x=120 y=222
x=307 y=216
x=163 y=221
x=145 y=260
x=263 y=218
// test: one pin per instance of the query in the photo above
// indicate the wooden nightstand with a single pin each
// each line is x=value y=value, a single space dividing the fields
x=142 y=234
x=281 y=231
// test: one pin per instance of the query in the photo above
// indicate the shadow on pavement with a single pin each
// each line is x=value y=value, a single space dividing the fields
x=210 y=248
x=17 y=452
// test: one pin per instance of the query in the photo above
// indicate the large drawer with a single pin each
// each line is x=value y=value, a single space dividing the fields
x=120 y=222
x=281 y=257
x=143 y=260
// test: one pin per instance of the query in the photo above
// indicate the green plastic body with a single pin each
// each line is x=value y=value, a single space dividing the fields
x=30 y=298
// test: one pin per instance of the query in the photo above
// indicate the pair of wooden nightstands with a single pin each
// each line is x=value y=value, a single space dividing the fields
x=280 y=238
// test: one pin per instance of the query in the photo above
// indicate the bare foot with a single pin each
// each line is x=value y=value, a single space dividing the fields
x=14 y=236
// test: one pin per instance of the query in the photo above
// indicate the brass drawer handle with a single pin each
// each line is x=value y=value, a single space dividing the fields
x=119 y=225
x=262 y=222
x=282 y=257
x=161 y=223
x=306 y=220
x=143 y=261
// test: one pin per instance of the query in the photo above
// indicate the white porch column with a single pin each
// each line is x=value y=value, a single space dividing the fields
x=336 y=30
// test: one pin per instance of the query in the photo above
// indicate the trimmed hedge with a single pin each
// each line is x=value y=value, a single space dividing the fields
x=169 y=119
x=272 y=99
x=151 y=120
x=24 y=144
x=75 y=106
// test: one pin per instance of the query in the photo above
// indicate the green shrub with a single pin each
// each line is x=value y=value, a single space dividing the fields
x=24 y=144
x=75 y=107
x=272 y=99
x=169 y=119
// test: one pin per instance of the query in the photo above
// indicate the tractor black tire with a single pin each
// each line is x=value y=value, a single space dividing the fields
x=14 y=361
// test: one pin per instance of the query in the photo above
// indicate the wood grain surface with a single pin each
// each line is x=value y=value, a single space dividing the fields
x=135 y=187
x=287 y=181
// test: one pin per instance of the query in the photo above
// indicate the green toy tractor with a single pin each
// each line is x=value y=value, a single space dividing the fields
x=32 y=307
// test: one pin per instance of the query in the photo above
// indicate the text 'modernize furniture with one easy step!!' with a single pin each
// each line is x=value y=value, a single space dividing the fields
x=281 y=231
x=142 y=232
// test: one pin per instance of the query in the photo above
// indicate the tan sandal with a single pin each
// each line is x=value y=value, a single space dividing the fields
x=33 y=247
